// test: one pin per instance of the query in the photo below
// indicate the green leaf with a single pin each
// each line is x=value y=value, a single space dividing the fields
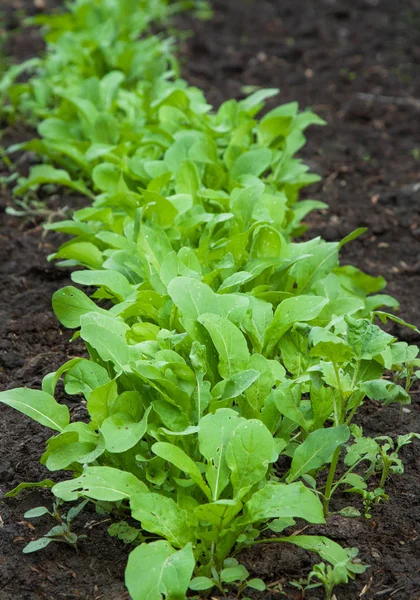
x=255 y=101
x=50 y=380
x=306 y=118
x=243 y=203
x=115 y=282
x=79 y=252
x=336 y=378
x=192 y=298
x=156 y=569
x=106 y=177
x=100 y=483
x=198 y=584
x=271 y=374
x=169 y=390
x=350 y=512
x=42 y=174
x=158 y=209
x=352 y=236
x=124 y=532
x=272 y=130
x=121 y=432
x=362 y=446
x=162 y=516
x=322 y=403
x=248 y=453
x=220 y=513
x=326 y=548
x=280 y=500
x=253 y=162
x=213 y=436
x=70 y=304
x=36 y=545
x=230 y=344
x=76 y=510
x=84 y=377
x=99 y=401
x=238 y=383
x=279 y=525
x=38 y=405
x=322 y=261
x=384 y=316
x=36 y=512
x=267 y=244
x=367 y=340
x=187 y=179
x=285 y=403
x=67 y=453
x=358 y=283
x=236 y=573
x=53 y=128
x=374 y=302
x=339 y=305
x=45 y=483
x=182 y=461
x=385 y=391
x=329 y=346
x=317 y=450
x=256 y=584
x=108 y=336
x=235 y=281
x=290 y=311
x=109 y=85
x=272 y=208
x=98 y=150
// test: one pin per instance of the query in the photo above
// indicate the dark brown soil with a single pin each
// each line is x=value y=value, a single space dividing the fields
x=327 y=55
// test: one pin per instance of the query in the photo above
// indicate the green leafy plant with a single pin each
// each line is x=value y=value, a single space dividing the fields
x=303 y=585
x=232 y=574
x=330 y=576
x=382 y=458
x=125 y=532
x=59 y=533
x=226 y=344
x=389 y=461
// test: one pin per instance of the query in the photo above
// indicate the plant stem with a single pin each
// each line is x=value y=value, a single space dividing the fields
x=336 y=414
x=339 y=415
x=350 y=470
x=355 y=374
x=353 y=411
x=385 y=473
x=330 y=480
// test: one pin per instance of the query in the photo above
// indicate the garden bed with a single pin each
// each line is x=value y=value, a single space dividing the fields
x=326 y=56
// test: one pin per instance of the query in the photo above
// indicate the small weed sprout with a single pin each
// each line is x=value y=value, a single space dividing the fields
x=59 y=533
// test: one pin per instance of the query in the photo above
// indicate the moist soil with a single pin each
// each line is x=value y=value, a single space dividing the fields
x=355 y=63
